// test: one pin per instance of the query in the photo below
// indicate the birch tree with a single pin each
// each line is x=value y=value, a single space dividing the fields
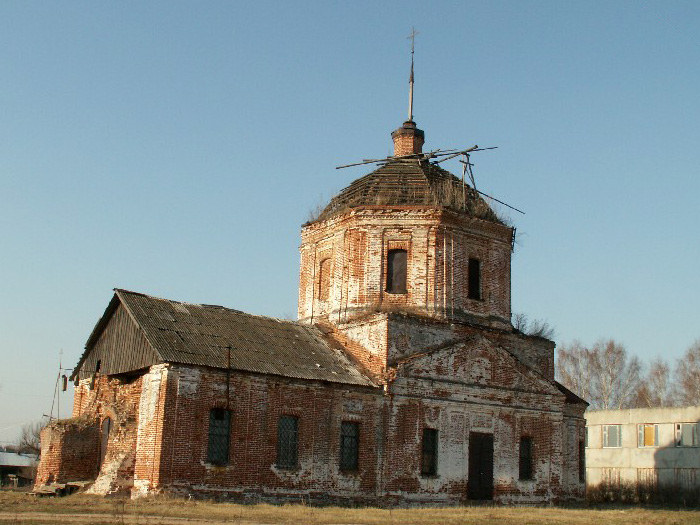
x=687 y=376
x=604 y=375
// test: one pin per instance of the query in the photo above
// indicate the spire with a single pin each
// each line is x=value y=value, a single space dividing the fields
x=412 y=36
x=408 y=139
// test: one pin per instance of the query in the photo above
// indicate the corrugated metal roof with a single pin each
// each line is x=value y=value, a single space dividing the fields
x=12 y=459
x=198 y=334
x=410 y=183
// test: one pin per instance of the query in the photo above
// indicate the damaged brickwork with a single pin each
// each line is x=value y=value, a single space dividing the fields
x=377 y=395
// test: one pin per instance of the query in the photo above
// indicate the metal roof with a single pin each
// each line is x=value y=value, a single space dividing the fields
x=13 y=459
x=410 y=182
x=198 y=334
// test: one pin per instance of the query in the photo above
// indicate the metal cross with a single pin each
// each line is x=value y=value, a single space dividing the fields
x=412 y=36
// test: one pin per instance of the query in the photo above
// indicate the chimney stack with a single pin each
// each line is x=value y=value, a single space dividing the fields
x=408 y=139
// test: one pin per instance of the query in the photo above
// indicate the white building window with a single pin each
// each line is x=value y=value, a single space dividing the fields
x=647 y=435
x=612 y=436
x=687 y=435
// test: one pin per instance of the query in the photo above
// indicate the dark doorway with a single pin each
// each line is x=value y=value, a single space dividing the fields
x=104 y=438
x=480 y=485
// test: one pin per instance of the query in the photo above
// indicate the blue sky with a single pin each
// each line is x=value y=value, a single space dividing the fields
x=175 y=148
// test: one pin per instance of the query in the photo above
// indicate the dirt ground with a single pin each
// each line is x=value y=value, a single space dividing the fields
x=24 y=509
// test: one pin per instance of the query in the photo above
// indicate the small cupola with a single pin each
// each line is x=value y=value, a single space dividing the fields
x=408 y=139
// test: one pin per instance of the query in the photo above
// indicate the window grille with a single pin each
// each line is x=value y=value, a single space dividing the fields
x=474 y=271
x=287 y=441
x=430 y=452
x=647 y=435
x=612 y=436
x=349 y=445
x=219 y=431
x=396 y=271
x=525 y=470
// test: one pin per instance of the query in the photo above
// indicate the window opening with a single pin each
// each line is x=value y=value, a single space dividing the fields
x=324 y=279
x=430 y=452
x=396 y=271
x=474 y=271
x=687 y=435
x=525 y=470
x=612 y=436
x=349 y=445
x=647 y=435
x=219 y=432
x=104 y=438
x=287 y=441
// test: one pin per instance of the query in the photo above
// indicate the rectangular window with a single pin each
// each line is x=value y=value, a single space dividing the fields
x=526 y=458
x=287 y=441
x=349 y=445
x=429 y=457
x=219 y=431
x=582 y=461
x=687 y=434
x=612 y=436
x=647 y=435
x=474 y=271
x=396 y=271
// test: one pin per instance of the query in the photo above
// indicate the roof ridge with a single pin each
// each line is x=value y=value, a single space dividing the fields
x=204 y=305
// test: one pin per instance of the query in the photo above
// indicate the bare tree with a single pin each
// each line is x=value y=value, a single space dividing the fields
x=604 y=375
x=687 y=376
x=573 y=369
x=656 y=389
x=28 y=442
x=618 y=376
x=537 y=327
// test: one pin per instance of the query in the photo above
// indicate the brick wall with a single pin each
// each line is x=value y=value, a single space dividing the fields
x=69 y=451
x=439 y=244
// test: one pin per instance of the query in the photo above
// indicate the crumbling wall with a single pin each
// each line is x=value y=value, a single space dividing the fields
x=74 y=447
x=69 y=451
x=150 y=436
x=439 y=245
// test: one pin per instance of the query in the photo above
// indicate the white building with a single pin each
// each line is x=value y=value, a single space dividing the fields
x=656 y=446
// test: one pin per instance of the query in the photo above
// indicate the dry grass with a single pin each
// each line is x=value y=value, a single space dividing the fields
x=22 y=508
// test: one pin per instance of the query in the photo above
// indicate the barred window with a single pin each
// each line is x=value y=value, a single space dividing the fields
x=349 y=445
x=429 y=460
x=582 y=461
x=526 y=458
x=219 y=431
x=396 y=271
x=474 y=271
x=287 y=441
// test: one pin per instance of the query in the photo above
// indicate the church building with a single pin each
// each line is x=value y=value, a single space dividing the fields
x=402 y=382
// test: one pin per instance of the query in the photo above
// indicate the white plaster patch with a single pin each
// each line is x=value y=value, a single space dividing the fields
x=188 y=381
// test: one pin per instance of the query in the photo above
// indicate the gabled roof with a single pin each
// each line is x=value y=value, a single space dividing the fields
x=198 y=334
x=410 y=182
x=570 y=396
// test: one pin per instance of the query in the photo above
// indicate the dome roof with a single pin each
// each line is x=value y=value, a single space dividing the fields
x=410 y=182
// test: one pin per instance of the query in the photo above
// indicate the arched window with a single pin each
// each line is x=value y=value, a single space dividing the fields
x=324 y=279
x=396 y=271
x=104 y=437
